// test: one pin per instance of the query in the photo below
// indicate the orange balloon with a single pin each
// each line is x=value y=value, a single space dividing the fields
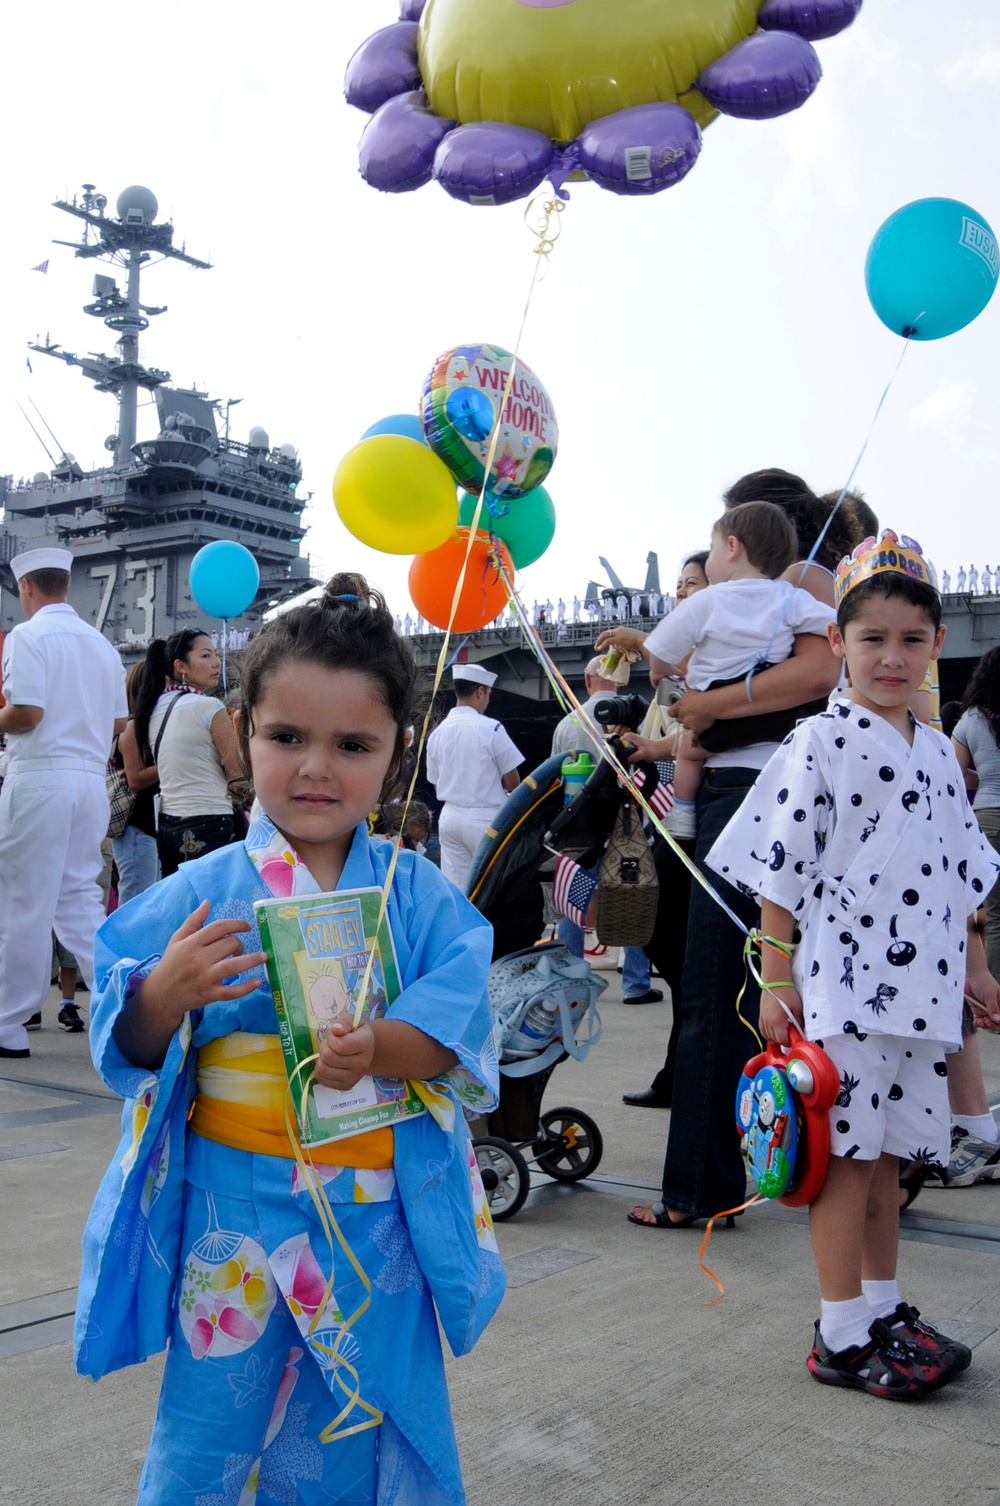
x=434 y=576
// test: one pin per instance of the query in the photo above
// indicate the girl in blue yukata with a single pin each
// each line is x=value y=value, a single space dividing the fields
x=297 y=1302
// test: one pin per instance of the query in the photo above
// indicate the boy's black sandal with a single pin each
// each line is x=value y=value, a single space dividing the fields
x=888 y=1365
x=924 y=1336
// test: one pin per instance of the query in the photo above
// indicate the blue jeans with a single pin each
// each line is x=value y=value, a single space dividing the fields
x=703 y=1171
x=138 y=863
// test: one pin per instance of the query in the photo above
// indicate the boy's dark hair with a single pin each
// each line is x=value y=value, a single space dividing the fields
x=348 y=627
x=419 y=815
x=765 y=532
x=951 y=712
x=887 y=584
x=466 y=689
x=49 y=582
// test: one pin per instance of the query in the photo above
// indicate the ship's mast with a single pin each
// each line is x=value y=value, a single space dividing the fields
x=129 y=241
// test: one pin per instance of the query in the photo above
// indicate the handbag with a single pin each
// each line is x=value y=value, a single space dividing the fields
x=628 y=890
x=120 y=797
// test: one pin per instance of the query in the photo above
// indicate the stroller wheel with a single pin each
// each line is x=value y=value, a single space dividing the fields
x=570 y=1145
x=505 y=1176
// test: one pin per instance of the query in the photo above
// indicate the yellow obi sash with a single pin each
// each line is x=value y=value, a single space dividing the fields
x=242 y=1102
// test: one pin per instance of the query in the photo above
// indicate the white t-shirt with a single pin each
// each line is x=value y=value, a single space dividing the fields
x=572 y=735
x=727 y=628
x=63 y=665
x=192 y=779
x=467 y=757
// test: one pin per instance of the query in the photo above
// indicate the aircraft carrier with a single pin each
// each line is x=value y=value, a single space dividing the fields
x=135 y=525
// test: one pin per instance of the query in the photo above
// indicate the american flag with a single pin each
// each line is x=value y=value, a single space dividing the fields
x=573 y=888
x=43 y=266
x=662 y=798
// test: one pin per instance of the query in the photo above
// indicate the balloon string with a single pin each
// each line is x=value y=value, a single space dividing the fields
x=625 y=772
x=225 y=624
x=548 y=233
x=811 y=556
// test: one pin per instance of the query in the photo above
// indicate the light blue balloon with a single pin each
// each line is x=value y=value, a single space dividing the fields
x=224 y=578
x=406 y=424
x=931 y=268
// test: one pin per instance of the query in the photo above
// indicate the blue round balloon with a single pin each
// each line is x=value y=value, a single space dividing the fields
x=406 y=424
x=224 y=578
x=931 y=268
x=470 y=412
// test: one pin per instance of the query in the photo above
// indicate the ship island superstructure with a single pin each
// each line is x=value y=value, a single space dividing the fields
x=135 y=526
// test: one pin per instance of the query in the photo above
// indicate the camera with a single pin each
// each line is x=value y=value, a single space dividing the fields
x=621 y=711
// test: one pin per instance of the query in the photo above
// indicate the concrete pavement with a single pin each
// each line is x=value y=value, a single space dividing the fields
x=603 y=1379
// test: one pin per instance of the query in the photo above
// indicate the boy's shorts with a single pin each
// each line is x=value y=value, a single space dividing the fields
x=893 y=1098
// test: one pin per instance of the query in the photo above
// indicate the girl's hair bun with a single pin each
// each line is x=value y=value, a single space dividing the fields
x=349 y=590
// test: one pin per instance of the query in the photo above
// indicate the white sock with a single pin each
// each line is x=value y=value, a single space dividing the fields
x=842 y=1324
x=980 y=1126
x=67 y=1001
x=684 y=805
x=882 y=1297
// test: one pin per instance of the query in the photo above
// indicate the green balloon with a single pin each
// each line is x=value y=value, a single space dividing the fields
x=527 y=529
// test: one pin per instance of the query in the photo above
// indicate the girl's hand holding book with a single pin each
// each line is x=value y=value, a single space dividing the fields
x=345 y=1055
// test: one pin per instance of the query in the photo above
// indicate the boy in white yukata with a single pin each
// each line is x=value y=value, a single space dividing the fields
x=859 y=840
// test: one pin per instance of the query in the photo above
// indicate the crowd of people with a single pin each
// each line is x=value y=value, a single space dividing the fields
x=811 y=783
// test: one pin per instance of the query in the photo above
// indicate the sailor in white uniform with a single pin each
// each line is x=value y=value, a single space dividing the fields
x=472 y=764
x=65 y=689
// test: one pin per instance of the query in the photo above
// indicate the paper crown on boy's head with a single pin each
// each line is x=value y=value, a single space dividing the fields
x=891 y=554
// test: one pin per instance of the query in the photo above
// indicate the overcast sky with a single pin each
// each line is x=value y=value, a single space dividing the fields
x=717 y=327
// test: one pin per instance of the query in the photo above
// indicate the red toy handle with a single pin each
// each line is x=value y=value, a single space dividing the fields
x=817 y=1087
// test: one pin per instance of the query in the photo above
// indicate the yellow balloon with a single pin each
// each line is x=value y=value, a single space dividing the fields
x=556 y=67
x=394 y=494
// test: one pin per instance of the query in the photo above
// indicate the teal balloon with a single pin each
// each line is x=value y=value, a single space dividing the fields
x=224 y=578
x=527 y=526
x=406 y=424
x=932 y=268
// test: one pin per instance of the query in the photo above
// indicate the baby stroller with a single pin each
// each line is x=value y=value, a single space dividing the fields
x=543 y=997
x=543 y=1002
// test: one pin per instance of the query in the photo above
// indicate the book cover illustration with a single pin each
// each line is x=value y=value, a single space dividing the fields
x=317 y=950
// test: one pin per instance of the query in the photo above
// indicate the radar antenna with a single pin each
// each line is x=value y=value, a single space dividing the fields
x=128 y=240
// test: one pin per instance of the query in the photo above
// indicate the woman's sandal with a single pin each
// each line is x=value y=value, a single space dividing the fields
x=912 y=1176
x=661 y=1218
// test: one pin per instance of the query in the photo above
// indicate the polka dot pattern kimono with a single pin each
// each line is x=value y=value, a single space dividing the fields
x=872 y=846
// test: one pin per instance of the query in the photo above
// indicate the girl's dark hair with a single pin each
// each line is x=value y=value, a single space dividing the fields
x=159 y=665
x=983 y=690
x=699 y=558
x=917 y=592
x=348 y=627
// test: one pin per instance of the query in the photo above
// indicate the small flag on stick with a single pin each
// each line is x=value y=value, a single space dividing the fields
x=43 y=266
x=662 y=799
x=573 y=890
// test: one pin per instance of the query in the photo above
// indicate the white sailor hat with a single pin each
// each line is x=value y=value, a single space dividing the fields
x=474 y=672
x=40 y=559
